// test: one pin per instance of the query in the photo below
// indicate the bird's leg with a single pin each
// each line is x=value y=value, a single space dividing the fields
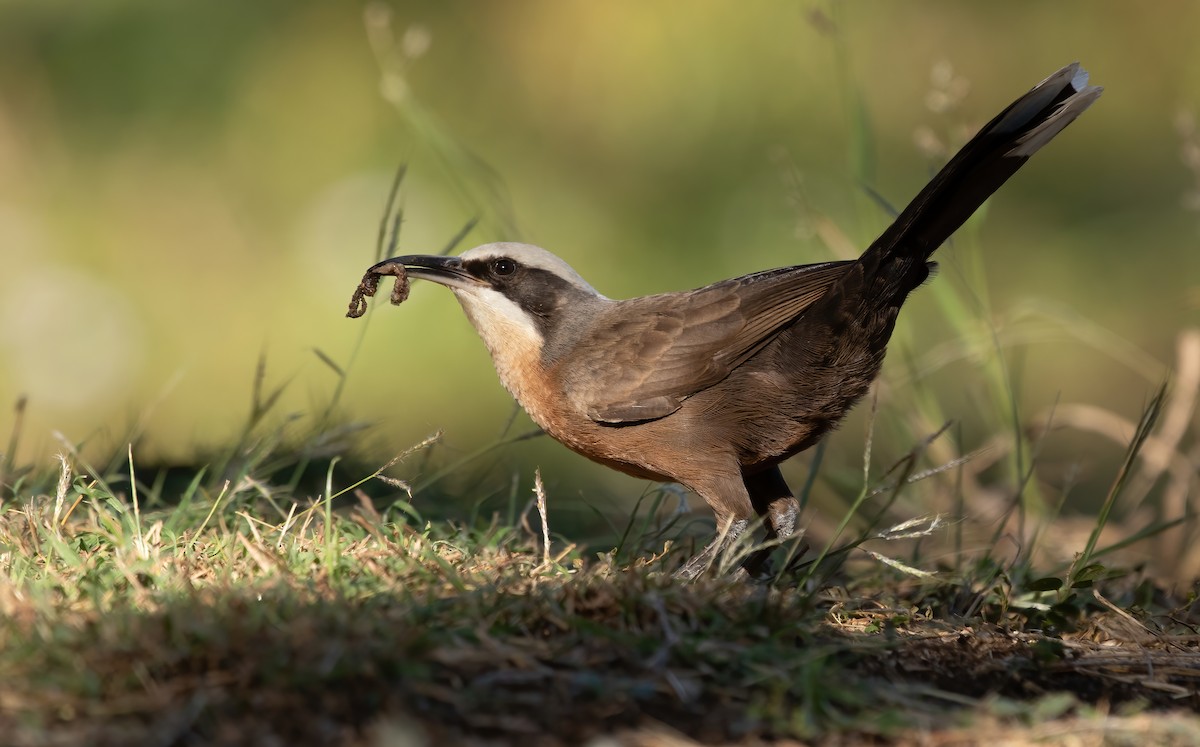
x=773 y=500
x=727 y=533
x=726 y=494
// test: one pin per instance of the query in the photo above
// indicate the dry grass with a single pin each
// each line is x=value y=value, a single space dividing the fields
x=233 y=615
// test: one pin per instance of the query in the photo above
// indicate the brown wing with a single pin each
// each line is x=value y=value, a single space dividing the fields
x=647 y=355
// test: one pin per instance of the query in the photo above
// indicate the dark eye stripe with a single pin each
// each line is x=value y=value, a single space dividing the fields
x=480 y=268
x=496 y=267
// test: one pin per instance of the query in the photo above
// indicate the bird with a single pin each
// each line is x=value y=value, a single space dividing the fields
x=713 y=388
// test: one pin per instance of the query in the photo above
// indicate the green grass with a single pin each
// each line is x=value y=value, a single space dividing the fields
x=239 y=610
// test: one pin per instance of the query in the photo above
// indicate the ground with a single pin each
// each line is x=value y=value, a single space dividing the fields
x=210 y=625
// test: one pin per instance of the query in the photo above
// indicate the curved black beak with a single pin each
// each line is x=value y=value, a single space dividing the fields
x=446 y=271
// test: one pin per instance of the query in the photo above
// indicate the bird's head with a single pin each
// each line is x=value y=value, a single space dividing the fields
x=509 y=289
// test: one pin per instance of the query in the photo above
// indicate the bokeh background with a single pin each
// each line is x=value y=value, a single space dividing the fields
x=185 y=187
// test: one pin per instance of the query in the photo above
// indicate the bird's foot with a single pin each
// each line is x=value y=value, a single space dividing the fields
x=706 y=558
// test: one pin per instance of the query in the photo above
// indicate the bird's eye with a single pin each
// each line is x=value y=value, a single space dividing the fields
x=503 y=266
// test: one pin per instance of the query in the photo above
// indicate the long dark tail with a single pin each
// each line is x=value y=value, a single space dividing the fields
x=1000 y=148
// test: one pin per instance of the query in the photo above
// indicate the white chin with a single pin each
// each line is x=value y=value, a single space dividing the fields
x=494 y=315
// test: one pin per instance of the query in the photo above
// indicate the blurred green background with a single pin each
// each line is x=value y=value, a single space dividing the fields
x=184 y=186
